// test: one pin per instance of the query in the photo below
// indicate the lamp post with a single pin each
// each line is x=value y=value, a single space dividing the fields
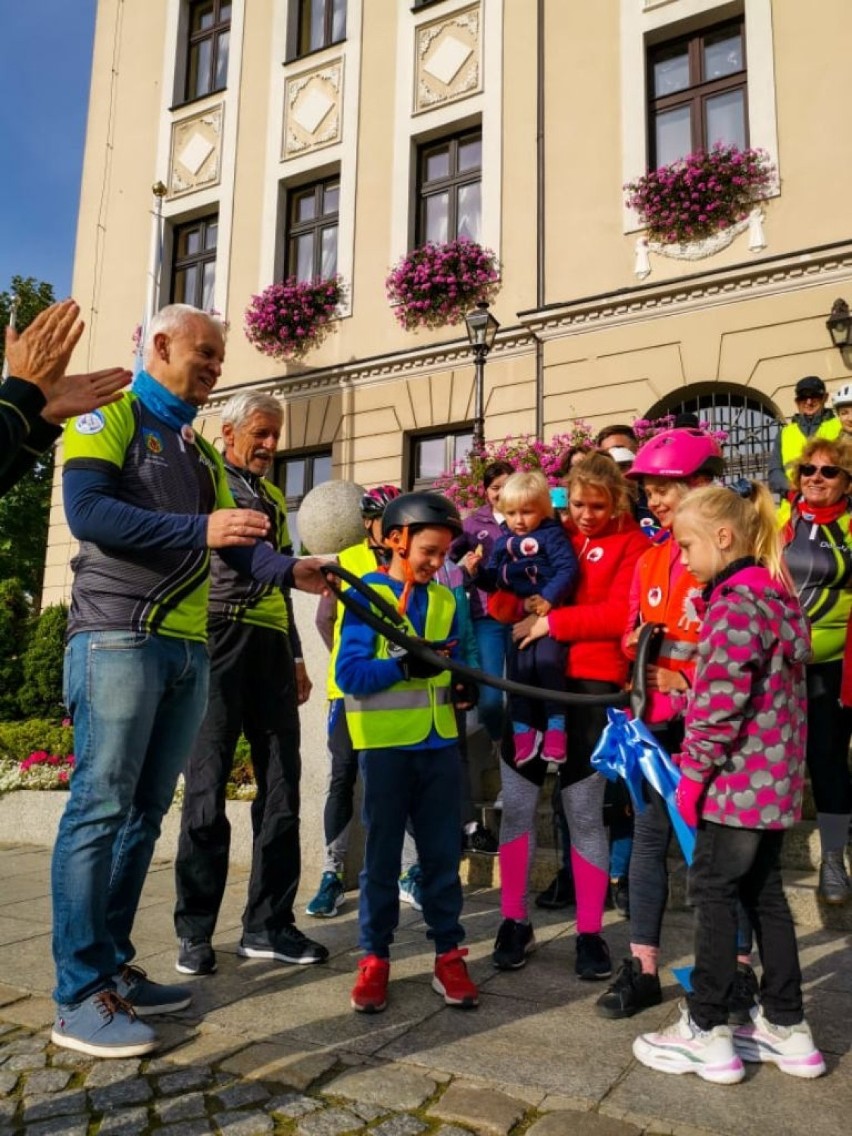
x=481 y=331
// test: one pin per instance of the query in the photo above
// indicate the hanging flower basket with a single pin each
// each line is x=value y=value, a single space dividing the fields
x=287 y=320
x=703 y=194
x=434 y=285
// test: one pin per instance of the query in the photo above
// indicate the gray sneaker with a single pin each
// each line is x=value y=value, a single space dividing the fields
x=146 y=997
x=103 y=1025
x=833 y=880
x=196 y=956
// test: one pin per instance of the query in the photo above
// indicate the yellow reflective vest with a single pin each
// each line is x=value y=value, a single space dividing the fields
x=793 y=440
x=404 y=714
x=360 y=560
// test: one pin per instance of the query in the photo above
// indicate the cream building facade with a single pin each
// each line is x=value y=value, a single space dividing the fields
x=308 y=136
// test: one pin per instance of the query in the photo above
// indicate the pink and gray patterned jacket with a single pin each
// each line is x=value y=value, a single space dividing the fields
x=746 y=719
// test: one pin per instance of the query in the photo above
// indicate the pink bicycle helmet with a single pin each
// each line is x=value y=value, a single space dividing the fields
x=375 y=501
x=680 y=453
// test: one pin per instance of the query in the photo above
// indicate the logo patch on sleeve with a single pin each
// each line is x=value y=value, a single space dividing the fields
x=91 y=423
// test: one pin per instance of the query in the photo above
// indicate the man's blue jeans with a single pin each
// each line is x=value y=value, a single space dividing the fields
x=137 y=701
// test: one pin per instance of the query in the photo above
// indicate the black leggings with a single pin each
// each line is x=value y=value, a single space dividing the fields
x=829 y=731
x=649 y=873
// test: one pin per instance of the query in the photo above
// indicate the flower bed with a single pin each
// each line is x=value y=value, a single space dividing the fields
x=287 y=320
x=700 y=195
x=51 y=765
x=435 y=284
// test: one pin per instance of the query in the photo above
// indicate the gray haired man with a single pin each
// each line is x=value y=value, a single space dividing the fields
x=257 y=680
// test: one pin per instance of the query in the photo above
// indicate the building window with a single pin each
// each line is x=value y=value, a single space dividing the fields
x=296 y=476
x=194 y=262
x=207 y=47
x=697 y=93
x=433 y=454
x=321 y=23
x=449 y=189
x=312 y=225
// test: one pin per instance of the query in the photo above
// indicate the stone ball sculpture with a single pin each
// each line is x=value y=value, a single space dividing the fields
x=330 y=517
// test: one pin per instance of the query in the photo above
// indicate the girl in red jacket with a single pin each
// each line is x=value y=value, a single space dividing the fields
x=607 y=542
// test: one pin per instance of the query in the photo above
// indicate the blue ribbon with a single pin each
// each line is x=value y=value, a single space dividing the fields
x=627 y=749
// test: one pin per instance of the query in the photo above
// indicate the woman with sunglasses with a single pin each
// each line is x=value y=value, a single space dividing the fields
x=817 y=532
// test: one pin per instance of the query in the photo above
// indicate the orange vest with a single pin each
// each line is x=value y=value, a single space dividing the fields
x=659 y=602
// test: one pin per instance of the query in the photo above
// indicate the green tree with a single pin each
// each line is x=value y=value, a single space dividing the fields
x=14 y=620
x=25 y=510
x=41 y=691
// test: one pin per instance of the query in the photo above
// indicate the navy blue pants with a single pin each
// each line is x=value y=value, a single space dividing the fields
x=541 y=664
x=422 y=784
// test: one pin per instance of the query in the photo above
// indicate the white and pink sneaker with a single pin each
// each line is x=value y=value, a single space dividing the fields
x=684 y=1048
x=791 y=1048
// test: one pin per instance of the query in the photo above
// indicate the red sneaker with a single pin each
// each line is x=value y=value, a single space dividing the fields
x=554 y=748
x=452 y=980
x=370 y=992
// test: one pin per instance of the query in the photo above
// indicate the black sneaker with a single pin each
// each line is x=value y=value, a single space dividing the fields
x=286 y=944
x=514 y=942
x=196 y=956
x=593 y=961
x=631 y=992
x=620 y=896
x=744 y=996
x=559 y=893
x=481 y=840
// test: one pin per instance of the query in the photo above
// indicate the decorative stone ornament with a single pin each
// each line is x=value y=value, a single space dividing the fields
x=313 y=109
x=196 y=151
x=330 y=517
x=448 y=59
x=699 y=250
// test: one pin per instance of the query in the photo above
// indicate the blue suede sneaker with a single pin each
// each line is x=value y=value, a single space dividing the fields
x=147 y=997
x=329 y=897
x=103 y=1025
x=410 y=890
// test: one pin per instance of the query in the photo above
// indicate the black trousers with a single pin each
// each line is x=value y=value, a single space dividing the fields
x=829 y=731
x=741 y=863
x=253 y=690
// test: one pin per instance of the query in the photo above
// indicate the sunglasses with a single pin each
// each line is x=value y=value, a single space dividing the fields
x=829 y=472
x=810 y=397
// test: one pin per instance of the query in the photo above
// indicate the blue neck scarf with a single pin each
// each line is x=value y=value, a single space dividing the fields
x=174 y=411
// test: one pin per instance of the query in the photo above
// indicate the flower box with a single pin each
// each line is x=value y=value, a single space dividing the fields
x=701 y=196
x=435 y=284
x=287 y=320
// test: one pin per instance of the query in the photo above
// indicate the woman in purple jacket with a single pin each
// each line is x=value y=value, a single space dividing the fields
x=482 y=530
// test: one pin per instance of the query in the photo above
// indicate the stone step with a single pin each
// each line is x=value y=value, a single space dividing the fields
x=800 y=863
x=800 y=887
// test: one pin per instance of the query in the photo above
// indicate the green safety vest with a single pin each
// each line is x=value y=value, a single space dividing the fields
x=404 y=714
x=793 y=440
x=360 y=560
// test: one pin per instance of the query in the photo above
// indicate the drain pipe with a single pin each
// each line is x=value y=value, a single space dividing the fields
x=540 y=275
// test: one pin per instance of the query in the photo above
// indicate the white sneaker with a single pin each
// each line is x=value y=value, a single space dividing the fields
x=684 y=1048
x=791 y=1048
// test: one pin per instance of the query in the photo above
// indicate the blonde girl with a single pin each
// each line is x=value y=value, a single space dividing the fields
x=742 y=764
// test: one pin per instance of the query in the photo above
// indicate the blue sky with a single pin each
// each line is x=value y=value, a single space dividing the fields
x=45 y=60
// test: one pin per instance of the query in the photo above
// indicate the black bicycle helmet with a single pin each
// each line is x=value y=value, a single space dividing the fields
x=415 y=510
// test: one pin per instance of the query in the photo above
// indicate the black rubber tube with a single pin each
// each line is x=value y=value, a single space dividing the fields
x=389 y=624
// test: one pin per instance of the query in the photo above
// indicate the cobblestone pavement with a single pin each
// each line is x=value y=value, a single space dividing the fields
x=272 y=1049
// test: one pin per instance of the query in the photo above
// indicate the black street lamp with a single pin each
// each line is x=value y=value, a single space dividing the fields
x=839 y=324
x=481 y=331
